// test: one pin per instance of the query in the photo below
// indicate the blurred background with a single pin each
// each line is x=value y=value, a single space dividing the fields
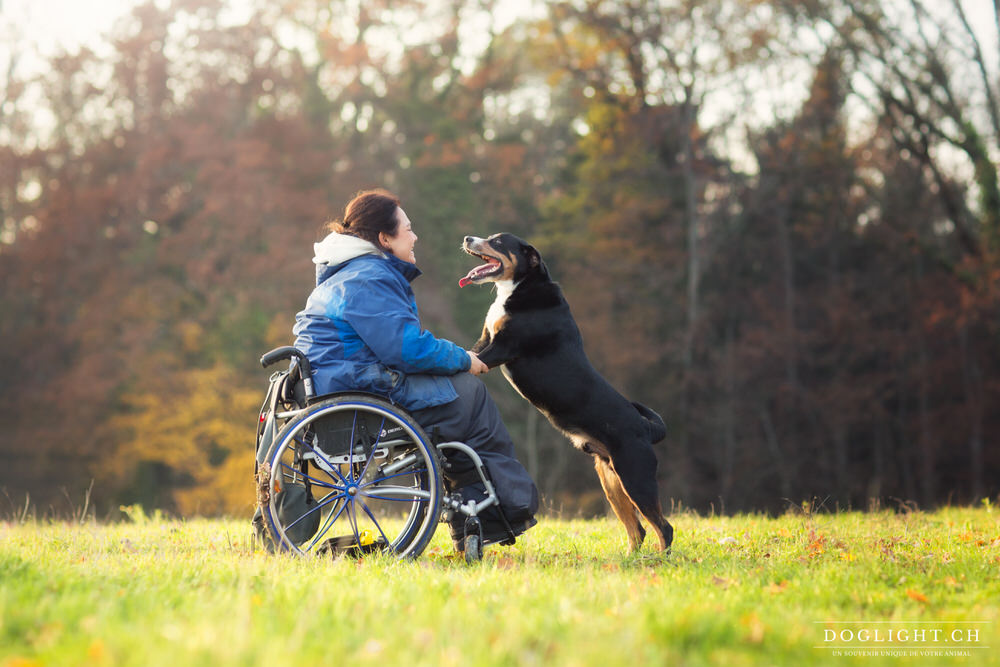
x=777 y=223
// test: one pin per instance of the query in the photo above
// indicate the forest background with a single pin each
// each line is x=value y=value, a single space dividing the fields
x=777 y=223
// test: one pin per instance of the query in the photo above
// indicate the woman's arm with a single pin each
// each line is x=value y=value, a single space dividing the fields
x=381 y=314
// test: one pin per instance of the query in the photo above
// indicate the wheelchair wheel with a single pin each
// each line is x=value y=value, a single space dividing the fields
x=351 y=474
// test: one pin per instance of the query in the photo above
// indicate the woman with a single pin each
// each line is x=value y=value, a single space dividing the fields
x=361 y=331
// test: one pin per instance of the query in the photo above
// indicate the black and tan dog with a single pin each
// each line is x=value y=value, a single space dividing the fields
x=531 y=334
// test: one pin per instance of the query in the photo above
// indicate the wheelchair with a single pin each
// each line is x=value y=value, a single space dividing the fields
x=351 y=473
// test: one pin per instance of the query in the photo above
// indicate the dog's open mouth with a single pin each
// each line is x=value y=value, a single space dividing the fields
x=491 y=267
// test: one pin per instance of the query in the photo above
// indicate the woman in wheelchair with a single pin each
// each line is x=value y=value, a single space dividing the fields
x=360 y=332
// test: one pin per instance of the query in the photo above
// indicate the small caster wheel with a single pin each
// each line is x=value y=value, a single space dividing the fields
x=473 y=540
x=473 y=549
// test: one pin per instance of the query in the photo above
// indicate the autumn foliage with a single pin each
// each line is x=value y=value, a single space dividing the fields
x=812 y=308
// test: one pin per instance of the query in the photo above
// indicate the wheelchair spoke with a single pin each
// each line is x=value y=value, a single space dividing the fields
x=318 y=482
x=319 y=506
x=354 y=425
x=371 y=455
x=371 y=516
x=319 y=454
x=330 y=520
x=336 y=492
x=352 y=517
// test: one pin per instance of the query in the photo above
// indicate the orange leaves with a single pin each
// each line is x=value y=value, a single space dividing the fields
x=886 y=547
x=755 y=627
x=504 y=563
x=916 y=595
x=979 y=539
x=776 y=588
x=820 y=544
x=817 y=544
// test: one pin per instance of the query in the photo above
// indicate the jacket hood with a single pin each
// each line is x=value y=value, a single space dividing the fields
x=338 y=248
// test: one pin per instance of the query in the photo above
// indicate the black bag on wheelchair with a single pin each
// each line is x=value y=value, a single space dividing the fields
x=294 y=504
x=500 y=522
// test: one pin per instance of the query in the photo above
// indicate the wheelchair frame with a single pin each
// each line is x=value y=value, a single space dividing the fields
x=302 y=443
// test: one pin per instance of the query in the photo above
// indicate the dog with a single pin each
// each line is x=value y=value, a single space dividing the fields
x=530 y=333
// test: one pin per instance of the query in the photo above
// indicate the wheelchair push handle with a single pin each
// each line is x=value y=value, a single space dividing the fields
x=280 y=354
x=289 y=352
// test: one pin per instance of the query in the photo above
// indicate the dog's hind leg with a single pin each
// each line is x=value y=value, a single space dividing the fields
x=621 y=504
x=637 y=473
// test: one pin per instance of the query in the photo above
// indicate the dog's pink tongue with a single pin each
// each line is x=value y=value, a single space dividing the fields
x=475 y=273
x=467 y=279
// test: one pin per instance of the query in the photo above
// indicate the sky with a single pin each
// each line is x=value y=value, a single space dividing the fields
x=49 y=26
x=50 y=23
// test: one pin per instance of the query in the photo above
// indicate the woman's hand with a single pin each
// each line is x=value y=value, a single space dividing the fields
x=477 y=367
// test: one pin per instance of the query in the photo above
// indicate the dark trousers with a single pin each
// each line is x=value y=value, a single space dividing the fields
x=473 y=418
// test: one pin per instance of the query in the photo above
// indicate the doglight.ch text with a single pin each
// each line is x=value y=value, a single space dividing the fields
x=901 y=638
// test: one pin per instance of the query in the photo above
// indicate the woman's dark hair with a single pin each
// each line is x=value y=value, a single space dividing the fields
x=370 y=212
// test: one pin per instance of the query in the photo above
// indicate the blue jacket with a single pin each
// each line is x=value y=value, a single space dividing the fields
x=360 y=328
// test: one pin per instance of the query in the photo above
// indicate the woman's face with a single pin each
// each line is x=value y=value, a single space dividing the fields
x=401 y=245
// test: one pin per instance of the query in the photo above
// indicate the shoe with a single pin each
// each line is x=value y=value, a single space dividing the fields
x=493 y=532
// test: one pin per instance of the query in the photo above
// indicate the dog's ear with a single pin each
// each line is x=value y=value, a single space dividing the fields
x=533 y=262
x=534 y=259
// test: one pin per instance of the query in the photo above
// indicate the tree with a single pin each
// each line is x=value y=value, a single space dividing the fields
x=922 y=69
x=186 y=447
x=166 y=244
x=640 y=200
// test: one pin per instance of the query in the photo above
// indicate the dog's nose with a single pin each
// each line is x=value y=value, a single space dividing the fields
x=470 y=239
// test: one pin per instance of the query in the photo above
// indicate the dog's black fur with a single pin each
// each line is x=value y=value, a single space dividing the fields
x=531 y=333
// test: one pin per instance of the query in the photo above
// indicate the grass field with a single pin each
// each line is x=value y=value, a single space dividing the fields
x=735 y=591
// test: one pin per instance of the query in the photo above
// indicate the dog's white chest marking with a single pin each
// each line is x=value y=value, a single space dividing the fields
x=497 y=311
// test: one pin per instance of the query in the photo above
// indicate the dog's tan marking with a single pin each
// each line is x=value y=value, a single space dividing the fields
x=498 y=324
x=654 y=522
x=588 y=445
x=509 y=264
x=620 y=502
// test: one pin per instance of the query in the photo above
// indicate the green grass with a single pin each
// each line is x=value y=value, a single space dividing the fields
x=735 y=591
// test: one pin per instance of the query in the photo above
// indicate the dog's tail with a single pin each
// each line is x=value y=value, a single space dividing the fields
x=657 y=429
